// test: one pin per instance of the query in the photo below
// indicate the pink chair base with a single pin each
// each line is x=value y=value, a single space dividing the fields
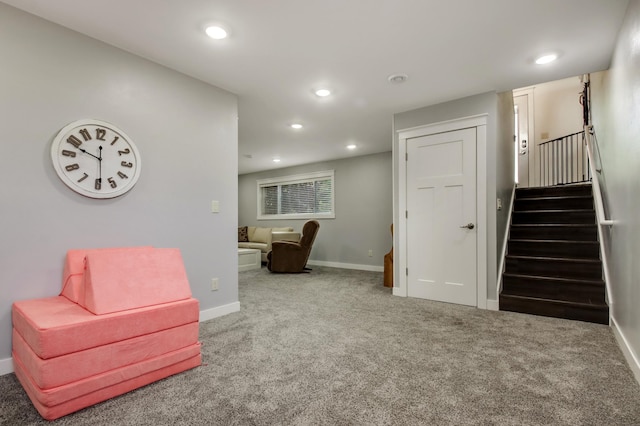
x=102 y=392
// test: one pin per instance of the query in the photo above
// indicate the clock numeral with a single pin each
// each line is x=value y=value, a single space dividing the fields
x=126 y=151
x=85 y=134
x=98 y=184
x=83 y=177
x=115 y=139
x=122 y=175
x=100 y=134
x=74 y=141
x=68 y=153
x=125 y=164
x=112 y=182
x=72 y=167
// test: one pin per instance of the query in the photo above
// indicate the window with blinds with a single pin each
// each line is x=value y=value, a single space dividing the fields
x=308 y=196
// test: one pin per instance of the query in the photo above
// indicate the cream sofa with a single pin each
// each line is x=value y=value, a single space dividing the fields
x=261 y=238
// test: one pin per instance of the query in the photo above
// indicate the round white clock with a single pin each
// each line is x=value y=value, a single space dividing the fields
x=95 y=159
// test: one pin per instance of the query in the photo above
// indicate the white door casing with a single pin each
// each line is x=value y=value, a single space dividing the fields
x=479 y=122
x=525 y=100
x=523 y=141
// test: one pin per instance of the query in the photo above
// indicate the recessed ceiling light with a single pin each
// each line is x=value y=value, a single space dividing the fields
x=397 y=78
x=323 y=92
x=276 y=160
x=352 y=147
x=296 y=126
x=216 y=32
x=545 y=59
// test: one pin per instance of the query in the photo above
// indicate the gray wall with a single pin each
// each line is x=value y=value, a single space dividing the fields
x=186 y=132
x=615 y=110
x=499 y=148
x=363 y=209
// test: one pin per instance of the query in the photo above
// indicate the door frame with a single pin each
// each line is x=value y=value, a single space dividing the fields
x=534 y=175
x=400 y=265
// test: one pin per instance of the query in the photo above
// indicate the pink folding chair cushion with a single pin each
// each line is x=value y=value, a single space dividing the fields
x=119 y=280
x=64 y=369
x=54 y=326
x=72 y=276
x=63 y=400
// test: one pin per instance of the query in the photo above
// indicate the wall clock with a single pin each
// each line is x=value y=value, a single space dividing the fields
x=95 y=159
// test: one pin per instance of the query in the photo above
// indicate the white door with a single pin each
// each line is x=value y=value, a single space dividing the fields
x=521 y=104
x=441 y=217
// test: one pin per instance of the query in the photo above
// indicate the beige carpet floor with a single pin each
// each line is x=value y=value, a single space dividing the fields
x=333 y=347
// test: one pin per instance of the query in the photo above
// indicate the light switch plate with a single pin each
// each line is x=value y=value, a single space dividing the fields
x=215 y=206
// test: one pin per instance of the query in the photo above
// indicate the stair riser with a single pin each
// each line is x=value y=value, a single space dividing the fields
x=549 y=309
x=586 y=217
x=550 y=289
x=555 y=249
x=522 y=204
x=554 y=191
x=554 y=268
x=579 y=233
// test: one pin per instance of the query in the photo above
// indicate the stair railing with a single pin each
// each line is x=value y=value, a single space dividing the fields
x=595 y=164
x=564 y=160
x=592 y=148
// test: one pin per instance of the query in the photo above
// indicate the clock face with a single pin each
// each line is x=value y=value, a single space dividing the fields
x=95 y=159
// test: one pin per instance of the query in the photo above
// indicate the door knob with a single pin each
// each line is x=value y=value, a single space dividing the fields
x=468 y=226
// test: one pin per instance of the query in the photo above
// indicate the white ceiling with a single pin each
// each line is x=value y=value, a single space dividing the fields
x=280 y=50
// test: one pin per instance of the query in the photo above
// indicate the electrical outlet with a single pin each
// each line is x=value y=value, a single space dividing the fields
x=370 y=253
x=214 y=284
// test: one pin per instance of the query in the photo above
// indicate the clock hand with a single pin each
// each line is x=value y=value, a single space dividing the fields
x=85 y=152
x=99 y=163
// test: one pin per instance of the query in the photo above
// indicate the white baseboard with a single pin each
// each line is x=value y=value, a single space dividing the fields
x=627 y=351
x=355 y=266
x=493 y=305
x=6 y=366
x=397 y=292
x=219 y=311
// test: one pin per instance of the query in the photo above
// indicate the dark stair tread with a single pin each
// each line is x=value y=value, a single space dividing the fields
x=588 y=312
x=548 y=258
x=532 y=241
x=564 y=225
x=579 y=249
x=558 y=191
x=582 y=305
x=578 y=231
x=555 y=197
x=567 y=289
x=587 y=282
x=556 y=211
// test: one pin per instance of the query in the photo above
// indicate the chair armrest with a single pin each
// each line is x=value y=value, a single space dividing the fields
x=285 y=236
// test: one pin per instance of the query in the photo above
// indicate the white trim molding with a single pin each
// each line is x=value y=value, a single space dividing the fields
x=505 y=242
x=493 y=305
x=627 y=351
x=357 y=267
x=400 y=265
x=6 y=366
x=219 y=311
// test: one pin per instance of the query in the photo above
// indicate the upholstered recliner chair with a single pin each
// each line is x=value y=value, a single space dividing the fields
x=288 y=256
